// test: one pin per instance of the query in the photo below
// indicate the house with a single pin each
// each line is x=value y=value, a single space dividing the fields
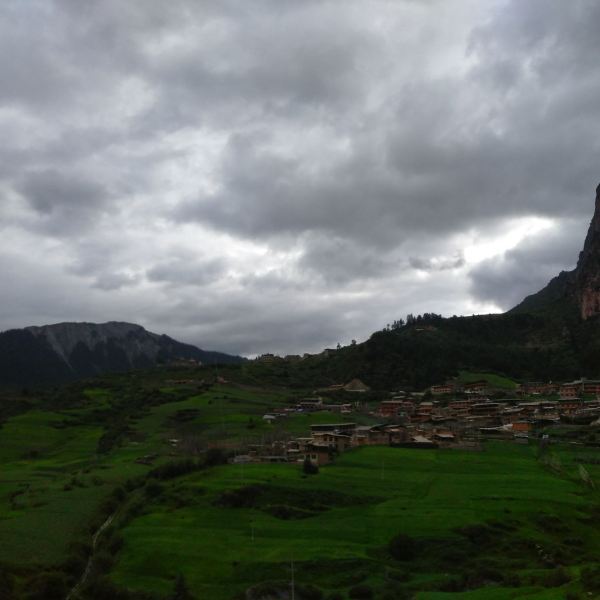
x=338 y=442
x=522 y=427
x=440 y=390
x=371 y=435
x=485 y=408
x=460 y=407
x=391 y=408
x=591 y=387
x=444 y=436
x=310 y=404
x=346 y=428
x=318 y=454
x=269 y=418
x=570 y=390
x=476 y=387
x=537 y=388
x=268 y=358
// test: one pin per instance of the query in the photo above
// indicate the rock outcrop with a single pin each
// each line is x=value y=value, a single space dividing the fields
x=587 y=273
x=579 y=288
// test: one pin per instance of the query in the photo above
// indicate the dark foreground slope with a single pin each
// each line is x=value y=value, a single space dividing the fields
x=66 y=351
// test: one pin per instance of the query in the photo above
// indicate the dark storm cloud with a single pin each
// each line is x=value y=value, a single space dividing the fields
x=304 y=167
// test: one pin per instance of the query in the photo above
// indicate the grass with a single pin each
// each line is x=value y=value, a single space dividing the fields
x=52 y=479
x=494 y=380
x=336 y=525
x=426 y=495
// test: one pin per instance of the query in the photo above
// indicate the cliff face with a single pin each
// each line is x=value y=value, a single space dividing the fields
x=587 y=273
x=577 y=290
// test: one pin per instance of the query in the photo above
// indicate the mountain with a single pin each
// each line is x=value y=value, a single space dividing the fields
x=65 y=351
x=553 y=334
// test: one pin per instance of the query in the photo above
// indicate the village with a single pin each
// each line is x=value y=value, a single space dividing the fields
x=449 y=415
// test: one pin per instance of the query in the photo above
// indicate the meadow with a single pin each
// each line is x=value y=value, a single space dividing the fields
x=378 y=523
x=495 y=521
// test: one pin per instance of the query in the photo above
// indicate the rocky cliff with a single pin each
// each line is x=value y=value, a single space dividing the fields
x=574 y=290
x=587 y=273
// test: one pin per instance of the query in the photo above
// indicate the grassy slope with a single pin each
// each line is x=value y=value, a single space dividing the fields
x=424 y=494
x=496 y=381
x=39 y=460
x=52 y=482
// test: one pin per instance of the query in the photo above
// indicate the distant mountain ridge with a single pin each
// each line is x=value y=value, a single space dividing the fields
x=66 y=351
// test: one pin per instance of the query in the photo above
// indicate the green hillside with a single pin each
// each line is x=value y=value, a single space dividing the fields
x=146 y=451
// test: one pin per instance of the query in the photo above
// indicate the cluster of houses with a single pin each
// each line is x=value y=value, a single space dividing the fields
x=326 y=441
x=448 y=416
x=573 y=389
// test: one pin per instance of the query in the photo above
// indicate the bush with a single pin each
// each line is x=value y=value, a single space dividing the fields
x=175 y=468
x=181 y=590
x=50 y=585
x=153 y=489
x=556 y=578
x=402 y=547
x=214 y=457
x=309 y=592
x=309 y=468
x=590 y=577
x=361 y=592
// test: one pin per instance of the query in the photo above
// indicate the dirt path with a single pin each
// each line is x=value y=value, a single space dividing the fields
x=88 y=566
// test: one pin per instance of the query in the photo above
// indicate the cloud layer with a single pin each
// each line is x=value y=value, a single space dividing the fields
x=282 y=175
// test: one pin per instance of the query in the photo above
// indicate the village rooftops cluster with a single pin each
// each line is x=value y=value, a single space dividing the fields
x=428 y=420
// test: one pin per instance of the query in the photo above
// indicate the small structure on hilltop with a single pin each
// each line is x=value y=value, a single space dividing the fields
x=356 y=385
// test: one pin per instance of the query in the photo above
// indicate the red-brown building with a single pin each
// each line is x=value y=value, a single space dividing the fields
x=477 y=387
x=390 y=408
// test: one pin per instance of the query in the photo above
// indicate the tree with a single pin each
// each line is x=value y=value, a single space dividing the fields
x=181 y=590
x=309 y=468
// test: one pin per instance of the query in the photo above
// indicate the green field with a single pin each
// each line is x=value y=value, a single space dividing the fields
x=428 y=495
x=493 y=524
x=493 y=379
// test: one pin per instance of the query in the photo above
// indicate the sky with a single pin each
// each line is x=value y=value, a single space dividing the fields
x=284 y=175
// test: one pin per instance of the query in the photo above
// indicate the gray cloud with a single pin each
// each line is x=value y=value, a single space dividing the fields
x=188 y=271
x=527 y=268
x=315 y=169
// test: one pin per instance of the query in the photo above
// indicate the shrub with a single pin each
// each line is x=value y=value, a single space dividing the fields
x=181 y=590
x=309 y=468
x=309 y=592
x=50 y=585
x=153 y=489
x=361 y=592
x=590 y=577
x=402 y=547
x=214 y=457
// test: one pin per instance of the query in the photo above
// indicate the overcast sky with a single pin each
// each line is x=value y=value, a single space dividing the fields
x=282 y=175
